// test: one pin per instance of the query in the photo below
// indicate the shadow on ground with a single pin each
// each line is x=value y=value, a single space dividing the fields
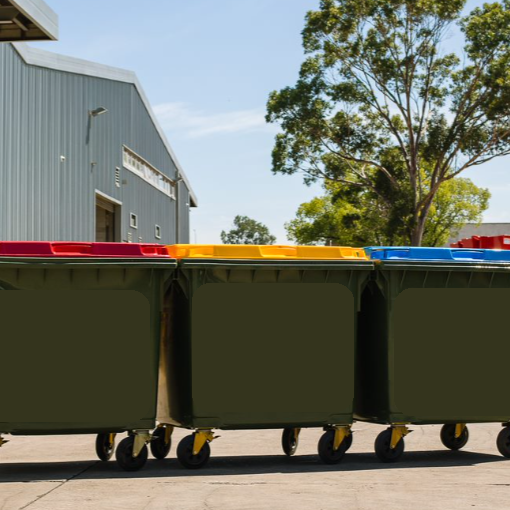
x=232 y=466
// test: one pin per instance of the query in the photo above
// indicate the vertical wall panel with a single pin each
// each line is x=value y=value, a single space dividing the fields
x=53 y=156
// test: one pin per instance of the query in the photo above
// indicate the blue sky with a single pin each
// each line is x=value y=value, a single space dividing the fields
x=207 y=68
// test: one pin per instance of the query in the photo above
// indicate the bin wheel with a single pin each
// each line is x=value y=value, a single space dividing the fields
x=326 y=448
x=503 y=442
x=159 y=447
x=450 y=441
x=124 y=455
x=104 y=447
x=383 y=448
x=290 y=441
x=185 y=453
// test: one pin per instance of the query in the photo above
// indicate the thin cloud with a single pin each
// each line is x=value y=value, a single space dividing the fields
x=181 y=117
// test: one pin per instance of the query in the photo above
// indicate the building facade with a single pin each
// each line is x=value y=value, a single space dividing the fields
x=82 y=156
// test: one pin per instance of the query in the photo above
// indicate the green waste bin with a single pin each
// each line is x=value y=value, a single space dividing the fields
x=79 y=351
x=261 y=338
x=432 y=344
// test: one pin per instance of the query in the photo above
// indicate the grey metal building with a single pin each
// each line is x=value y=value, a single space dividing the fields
x=82 y=156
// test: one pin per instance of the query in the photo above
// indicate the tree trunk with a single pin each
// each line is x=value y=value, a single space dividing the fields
x=417 y=233
x=420 y=219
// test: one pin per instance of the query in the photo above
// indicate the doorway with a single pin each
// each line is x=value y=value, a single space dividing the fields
x=107 y=220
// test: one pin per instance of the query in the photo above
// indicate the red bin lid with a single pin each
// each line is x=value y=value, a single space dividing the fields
x=78 y=250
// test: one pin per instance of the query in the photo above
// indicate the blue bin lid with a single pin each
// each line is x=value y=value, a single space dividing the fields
x=437 y=254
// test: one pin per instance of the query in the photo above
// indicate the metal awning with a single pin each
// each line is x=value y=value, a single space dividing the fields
x=27 y=20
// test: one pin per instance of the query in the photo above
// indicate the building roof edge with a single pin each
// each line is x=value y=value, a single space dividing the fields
x=49 y=60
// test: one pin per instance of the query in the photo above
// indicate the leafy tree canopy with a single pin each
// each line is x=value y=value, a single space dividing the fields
x=342 y=217
x=381 y=107
x=247 y=231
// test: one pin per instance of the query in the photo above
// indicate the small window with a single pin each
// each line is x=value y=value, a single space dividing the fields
x=133 y=220
x=157 y=232
x=117 y=177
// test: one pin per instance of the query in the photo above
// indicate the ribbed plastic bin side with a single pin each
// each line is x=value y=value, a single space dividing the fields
x=432 y=343
x=251 y=334
x=81 y=339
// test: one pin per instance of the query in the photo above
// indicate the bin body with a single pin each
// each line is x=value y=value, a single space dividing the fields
x=80 y=343
x=432 y=343
x=261 y=343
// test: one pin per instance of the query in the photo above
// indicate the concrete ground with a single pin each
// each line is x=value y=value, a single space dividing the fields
x=247 y=471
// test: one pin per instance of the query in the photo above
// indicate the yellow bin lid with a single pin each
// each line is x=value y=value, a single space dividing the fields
x=237 y=251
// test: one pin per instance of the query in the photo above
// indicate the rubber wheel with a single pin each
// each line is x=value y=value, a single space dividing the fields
x=383 y=447
x=124 y=455
x=185 y=453
x=450 y=441
x=503 y=442
x=104 y=449
x=326 y=452
x=290 y=442
x=159 y=448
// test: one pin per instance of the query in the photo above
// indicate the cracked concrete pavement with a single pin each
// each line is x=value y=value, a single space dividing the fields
x=247 y=471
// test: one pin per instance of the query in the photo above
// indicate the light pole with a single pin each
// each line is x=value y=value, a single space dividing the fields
x=178 y=180
x=92 y=115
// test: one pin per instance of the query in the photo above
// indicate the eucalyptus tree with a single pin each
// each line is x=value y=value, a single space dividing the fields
x=247 y=231
x=382 y=106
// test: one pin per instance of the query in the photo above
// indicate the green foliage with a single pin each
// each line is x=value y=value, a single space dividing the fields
x=382 y=108
x=457 y=202
x=247 y=231
x=363 y=219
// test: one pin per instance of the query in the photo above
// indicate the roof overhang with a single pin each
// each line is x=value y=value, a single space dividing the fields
x=27 y=20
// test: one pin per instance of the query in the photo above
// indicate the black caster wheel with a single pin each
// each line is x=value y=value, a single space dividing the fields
x=290 y=441
x=105 y=447
x=326 y=448
x=124 y=455
x=159 y=447
x=450 y=441
x=185 y=453
x=503 y=442
x=383 y=448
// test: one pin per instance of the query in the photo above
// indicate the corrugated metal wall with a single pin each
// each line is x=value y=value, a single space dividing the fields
x=44 y=119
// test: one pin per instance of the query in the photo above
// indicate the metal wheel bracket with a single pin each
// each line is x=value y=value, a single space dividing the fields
x=111 y=438
x=398 y=432
x=169 y=430
x=296 y=433
x=341 y=433
x=459 y=429
x=202 y=437
x=141 y=439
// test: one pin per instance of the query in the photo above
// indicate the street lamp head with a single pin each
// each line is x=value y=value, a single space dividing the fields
x=98 y=111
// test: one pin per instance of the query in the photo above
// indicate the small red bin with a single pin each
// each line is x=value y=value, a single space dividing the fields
x=484 y=242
